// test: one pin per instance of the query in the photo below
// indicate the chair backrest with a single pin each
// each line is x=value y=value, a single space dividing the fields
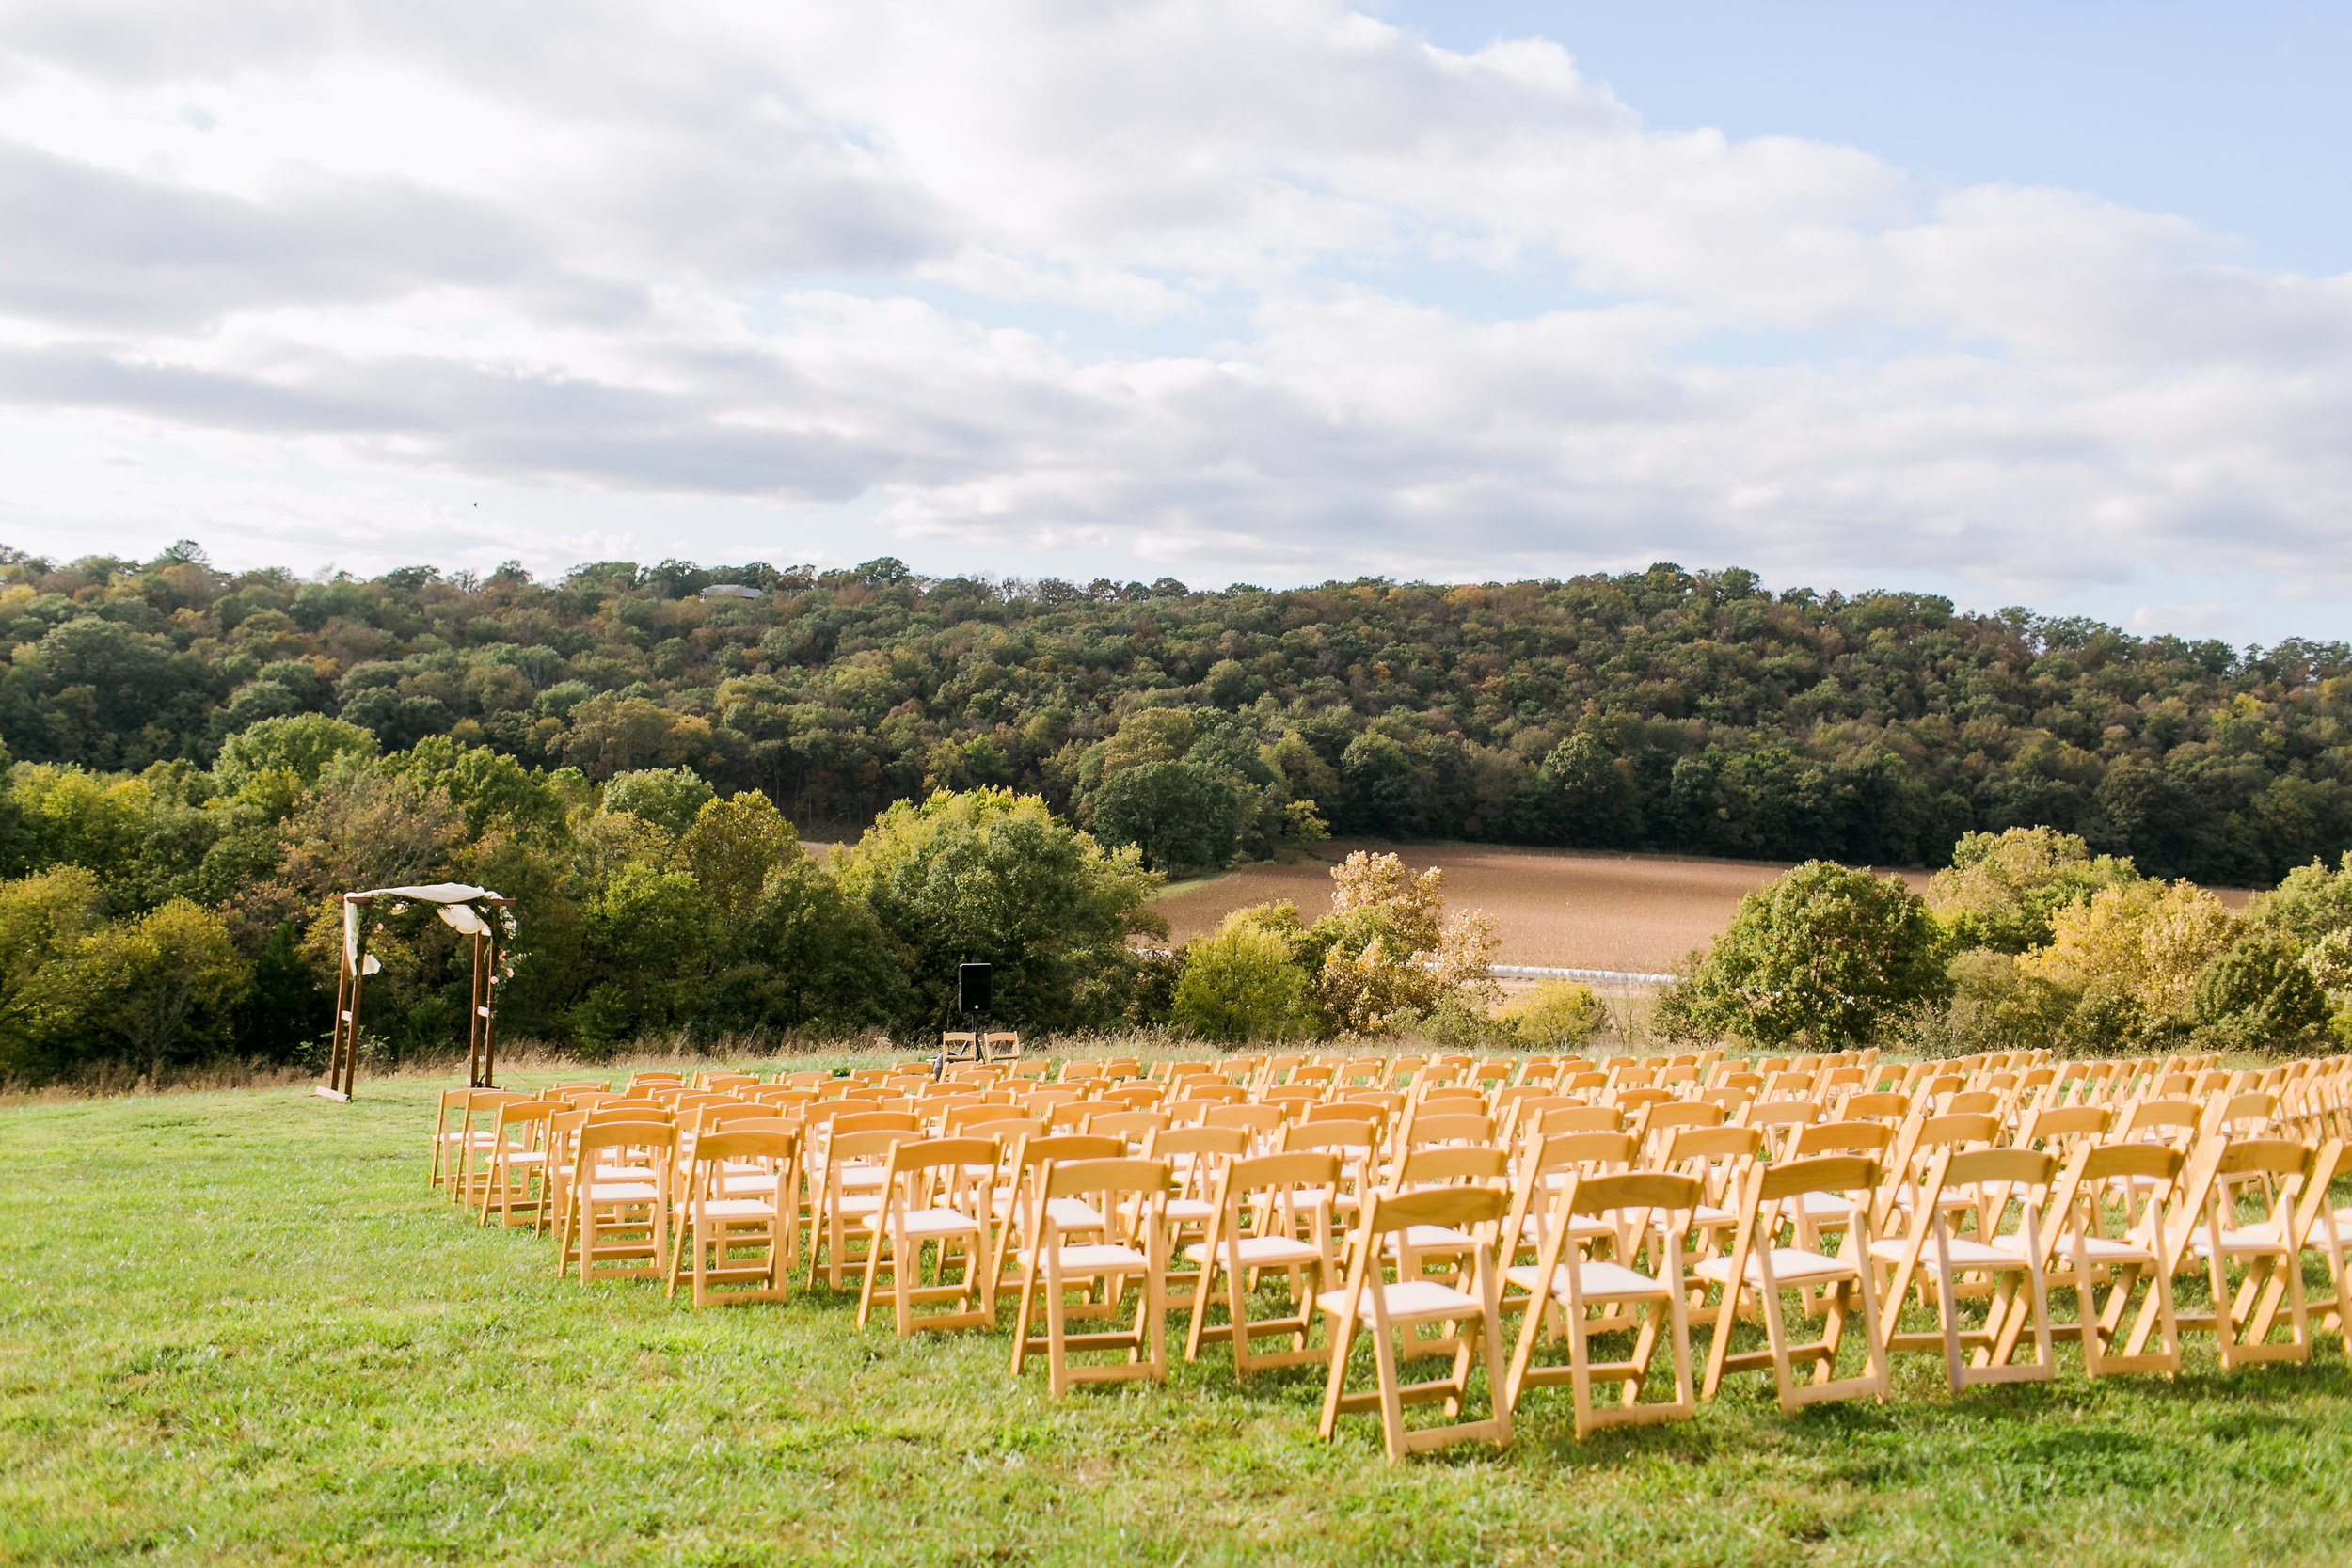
x=746 y=1144
x=1826 y=1173
x=1133 y=1126
x=1445 y=1162
x=1264 y=1119
x=2014 y=1167
x=1451 y=1127
x=1038 y=1152
x=1454 y=1206
x=1228 y=1142
x=1573 y=1151
x=1577 y=1118
x=1634 y=1102
x=877 y=1121
x=1635 y=1189
x=1842 y=1137
x=2264 y=1157
x=1330 y=1134
x=1661 y=1119
x=912 y=1155
x=1291 y=1168
x=1887 y=1105
x=597 y=1136
x=2112 y=1162
x=2065 y=1123
x=1111 y=1178
x=1712 y=1144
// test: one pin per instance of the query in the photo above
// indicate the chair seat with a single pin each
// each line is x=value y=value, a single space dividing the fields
x=526 y=1156
x=1967 y=1252
x=2253 y=1240
x=1190 y=1210
x=1262 y=1252
x=1582 y=1228
x=764 y=1182
x=928 y=1222
x=1436 y=1238
x=1706 y=1214
x=1790 y=1266
x=1411 y=1301
x=1600 y=1281
x=738 y=1209
x=623 y=1192
x=1096 y=1257
x=1072 y=1213
x=1831 y=1208
x=2104 y=1249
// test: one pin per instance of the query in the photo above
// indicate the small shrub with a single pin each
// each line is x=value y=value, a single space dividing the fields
x=1557 y=1015
x=1241 y=983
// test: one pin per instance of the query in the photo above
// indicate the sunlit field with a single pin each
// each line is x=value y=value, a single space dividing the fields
x=239 y=1327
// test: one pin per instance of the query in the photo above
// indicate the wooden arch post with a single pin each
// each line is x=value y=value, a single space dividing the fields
x=474 y=912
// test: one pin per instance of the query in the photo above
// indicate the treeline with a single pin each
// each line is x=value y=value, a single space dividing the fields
x=178 y=914
x=1665 y=709
x=2027 y=941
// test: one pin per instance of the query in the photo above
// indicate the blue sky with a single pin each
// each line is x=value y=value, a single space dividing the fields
x=2233 y=116
x=2048 y=306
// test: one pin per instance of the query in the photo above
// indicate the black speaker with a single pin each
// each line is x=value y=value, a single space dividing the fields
x=974 y=984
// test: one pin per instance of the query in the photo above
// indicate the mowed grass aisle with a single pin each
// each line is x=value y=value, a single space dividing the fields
x=237 y=1328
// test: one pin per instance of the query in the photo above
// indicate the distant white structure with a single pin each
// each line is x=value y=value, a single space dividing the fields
x=730 y=591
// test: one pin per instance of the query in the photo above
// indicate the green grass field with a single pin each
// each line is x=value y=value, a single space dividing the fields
x=237 y=1328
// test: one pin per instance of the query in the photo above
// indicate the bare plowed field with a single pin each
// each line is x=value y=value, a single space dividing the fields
x=1552 y=908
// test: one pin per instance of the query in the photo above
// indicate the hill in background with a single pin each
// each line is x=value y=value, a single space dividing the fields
x=1667 y=710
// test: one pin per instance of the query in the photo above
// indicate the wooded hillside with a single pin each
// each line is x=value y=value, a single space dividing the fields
x=1665 y=709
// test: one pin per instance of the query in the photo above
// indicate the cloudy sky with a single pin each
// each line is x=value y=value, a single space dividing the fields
x=2012 y=308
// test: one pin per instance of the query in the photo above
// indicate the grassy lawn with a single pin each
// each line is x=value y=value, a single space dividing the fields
x=237 y=1326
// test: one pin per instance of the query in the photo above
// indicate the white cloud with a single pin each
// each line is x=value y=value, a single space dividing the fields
x=1210 y=288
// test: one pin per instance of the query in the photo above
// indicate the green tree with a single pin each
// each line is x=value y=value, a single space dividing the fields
x=162 y=987
x=1240 y=983
x=989 y=877
x=2002 y=890
x=1823 y=952
x=43 y=918
x=670 y=798
x=733 y=849
x=302 y=745
x=809 y=958
x=2257 y=996
x=2309 y=903
x=649 y=939
x=1183 y=817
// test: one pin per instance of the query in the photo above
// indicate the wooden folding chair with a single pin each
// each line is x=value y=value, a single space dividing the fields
x=1472 y=1321
x=1758 y=1265
x=1020 y=1200
x=1255 y=1232
x=1992 y=1179
x=2270 y=1251
x=622 y=1227
x=516 y=1181
x=1629 y=1208
x=844 y=1192
x=1443 y=1166
x=1195 y=1158
x=938 y=1193
x=1051 y=1265
x=716 y=1225
x=2088 y=1257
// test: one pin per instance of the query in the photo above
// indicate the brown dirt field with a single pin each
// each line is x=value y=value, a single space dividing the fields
x=1558 y=908
x=1554 y=908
